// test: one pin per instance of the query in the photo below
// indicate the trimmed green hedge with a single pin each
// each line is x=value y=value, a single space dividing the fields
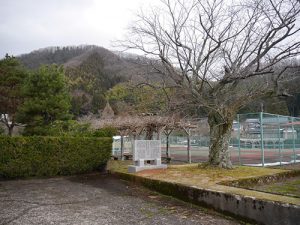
x=51 y=156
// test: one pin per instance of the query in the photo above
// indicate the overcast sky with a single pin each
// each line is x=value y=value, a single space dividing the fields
x=27 y=25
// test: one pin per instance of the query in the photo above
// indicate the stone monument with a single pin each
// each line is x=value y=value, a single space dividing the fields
x=146 y=150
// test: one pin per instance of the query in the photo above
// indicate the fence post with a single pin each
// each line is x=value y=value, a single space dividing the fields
x=189 y=146
x=279 y=139
x=294 y=139
x=262 y=138
x=239 y=138
x=122 y=147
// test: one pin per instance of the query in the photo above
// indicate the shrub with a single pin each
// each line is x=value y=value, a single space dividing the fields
x=105 y=132
x=2 y=130
x=289 y=143
x=51 y=156
x=70 y=128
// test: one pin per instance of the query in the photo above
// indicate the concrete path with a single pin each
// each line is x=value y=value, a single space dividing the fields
x=94 y=199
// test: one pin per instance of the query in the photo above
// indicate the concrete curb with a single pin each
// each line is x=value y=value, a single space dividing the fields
x=244 y=207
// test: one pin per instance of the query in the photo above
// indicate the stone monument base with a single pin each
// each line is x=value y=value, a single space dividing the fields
x=134 y=169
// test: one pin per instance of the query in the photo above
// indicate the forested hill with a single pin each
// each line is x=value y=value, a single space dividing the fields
x=91 y=71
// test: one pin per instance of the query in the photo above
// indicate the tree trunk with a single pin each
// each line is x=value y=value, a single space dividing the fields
x=158 y=134
x=220 y=133
x=10 y=130
x=149 y=133
x=167 y=146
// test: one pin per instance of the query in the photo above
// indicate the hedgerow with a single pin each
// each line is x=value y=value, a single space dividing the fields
x=51 y=156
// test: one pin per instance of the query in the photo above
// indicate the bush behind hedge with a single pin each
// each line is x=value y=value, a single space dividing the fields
x=51 y=156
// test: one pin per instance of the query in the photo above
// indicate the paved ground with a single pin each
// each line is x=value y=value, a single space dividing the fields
x=94 y=199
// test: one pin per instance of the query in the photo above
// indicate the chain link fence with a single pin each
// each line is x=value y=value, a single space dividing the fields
x=258 y=139
x=263 y=139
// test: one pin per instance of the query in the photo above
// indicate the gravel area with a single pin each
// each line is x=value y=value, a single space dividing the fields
x=95 y=199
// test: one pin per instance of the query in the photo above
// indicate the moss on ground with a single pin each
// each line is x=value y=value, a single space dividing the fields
x=289 y=187
x=118 y=166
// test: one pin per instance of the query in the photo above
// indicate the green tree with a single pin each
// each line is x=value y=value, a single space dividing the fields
x=12 y=76
x=47 y=100
x=141 y=99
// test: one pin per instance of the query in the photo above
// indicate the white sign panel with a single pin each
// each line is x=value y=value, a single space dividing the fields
x=147 y=150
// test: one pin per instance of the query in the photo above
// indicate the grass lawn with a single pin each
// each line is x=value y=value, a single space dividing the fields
x=289 y=187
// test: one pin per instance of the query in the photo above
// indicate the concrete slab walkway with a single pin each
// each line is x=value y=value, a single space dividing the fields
x=94 y=199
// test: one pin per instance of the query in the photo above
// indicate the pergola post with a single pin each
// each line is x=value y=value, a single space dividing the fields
x=189 y=146
x=188 y=133
x=122 y=147
x=168 y=133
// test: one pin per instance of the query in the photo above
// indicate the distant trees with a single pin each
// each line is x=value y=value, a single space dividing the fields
x=222 y=54
x=289 y=102
x=47 y=100
x=132 y=99
x=53 y=55
x=293 y=104
x=88 y=83
x=12 y=76
x=274 y=105
x=293 y=100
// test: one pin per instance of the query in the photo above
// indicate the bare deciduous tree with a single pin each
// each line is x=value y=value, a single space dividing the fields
x=225 y=53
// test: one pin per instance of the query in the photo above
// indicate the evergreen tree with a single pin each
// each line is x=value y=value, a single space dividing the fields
x=47 y=100
x=12 y=76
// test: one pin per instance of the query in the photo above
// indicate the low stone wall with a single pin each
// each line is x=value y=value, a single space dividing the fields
x=246 y=208
x=248 y=183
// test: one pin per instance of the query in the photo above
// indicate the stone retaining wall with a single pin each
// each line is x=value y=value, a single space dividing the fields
x=247 y=208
